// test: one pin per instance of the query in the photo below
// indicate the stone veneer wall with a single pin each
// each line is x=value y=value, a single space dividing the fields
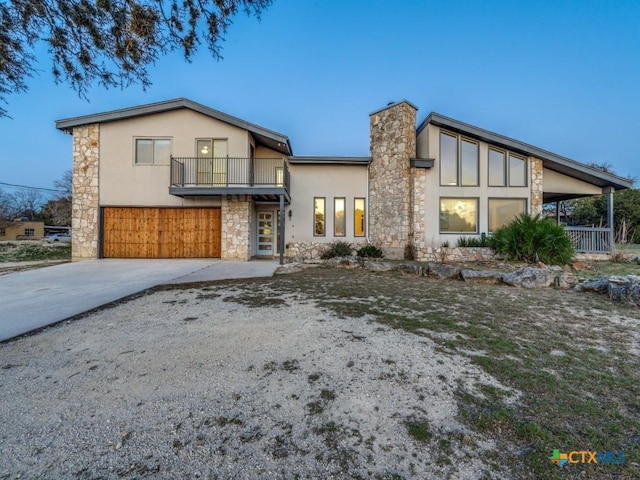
x=301 y=251
x=236 y=237
x=85 y=202
x=536 y=185
x=419 y=208
x=455 y=254
x=393 y=144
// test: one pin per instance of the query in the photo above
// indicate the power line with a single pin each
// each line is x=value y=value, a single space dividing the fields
x=32 y=188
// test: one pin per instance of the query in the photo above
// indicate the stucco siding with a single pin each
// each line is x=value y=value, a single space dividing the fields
x=122 y=182
x=555 y=182
x=328 y=181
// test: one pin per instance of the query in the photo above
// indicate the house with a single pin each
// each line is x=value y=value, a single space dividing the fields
x=22 y=230
x=179 y=179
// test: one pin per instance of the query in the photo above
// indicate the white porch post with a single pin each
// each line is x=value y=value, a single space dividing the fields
x=610 y=224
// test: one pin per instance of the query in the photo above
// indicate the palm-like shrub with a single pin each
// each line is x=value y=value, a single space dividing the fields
x=533 y=239
x=337 y=249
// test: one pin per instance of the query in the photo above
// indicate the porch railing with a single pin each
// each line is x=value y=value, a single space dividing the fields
x=591 y=239
x=229 y=172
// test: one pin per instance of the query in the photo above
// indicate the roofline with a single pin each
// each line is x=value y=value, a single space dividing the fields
x=393 y=104
x=300 y=160
x=166 y=106
x=561 y=164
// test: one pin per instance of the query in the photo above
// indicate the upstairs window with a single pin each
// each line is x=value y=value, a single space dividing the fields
x=506 y=169
x=153 y=151
x=458 y=161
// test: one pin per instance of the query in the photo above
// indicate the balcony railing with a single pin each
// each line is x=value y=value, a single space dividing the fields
x=591 y=240
x=229 y=172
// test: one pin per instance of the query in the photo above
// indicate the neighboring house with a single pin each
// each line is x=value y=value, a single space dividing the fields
x=178 y=179
x=22 y=230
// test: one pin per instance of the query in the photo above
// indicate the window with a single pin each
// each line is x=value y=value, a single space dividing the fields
x=212 y=161
x=458 y=215
x=517 y=171
x=497 y=170
x=504 y=210
x=2 y=232
x=339 y=220
x=151 y=151
x=358 y=217
x=29 y=232
x=318 y=217
x=458 y=160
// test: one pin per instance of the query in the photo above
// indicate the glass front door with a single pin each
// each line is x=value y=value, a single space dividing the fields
x=265 y=233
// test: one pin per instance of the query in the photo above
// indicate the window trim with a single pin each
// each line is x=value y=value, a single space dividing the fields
x=364 y=217
x=459 y=139
x=526 y=164
x=344 y=216
x=526 y=208
x=477 y=199
x=505 y=173
x=153 y=139
x=324 y=214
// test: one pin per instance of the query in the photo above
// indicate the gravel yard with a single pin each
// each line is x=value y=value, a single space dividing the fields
x=293 y=377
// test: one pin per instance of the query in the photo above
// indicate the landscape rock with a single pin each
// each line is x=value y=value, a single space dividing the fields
x=479 y=276
x=625 y=289
x=343 y=262
x=409 y=268
x=599 y=285
x=378 y=266
x=566 y=280
x=443 y=271
x=530 y=277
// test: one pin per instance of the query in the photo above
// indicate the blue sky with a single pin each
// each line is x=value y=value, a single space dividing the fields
x=561 y=75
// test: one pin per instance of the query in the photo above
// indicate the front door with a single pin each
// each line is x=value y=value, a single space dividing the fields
x=265 y=233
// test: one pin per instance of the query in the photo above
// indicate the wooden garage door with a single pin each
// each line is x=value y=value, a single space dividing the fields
x=161 y=232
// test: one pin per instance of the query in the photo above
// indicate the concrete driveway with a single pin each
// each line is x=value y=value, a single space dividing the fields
x=36 y=298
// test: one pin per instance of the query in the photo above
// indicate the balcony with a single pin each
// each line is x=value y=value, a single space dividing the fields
x=263 y=178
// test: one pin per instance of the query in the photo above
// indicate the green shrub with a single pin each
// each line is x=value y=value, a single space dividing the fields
x=369 y=251
x=338 y=249
x=445 y=244
x=533 y=239
x=472 y=241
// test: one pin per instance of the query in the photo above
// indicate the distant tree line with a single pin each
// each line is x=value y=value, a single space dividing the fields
x=31 y=204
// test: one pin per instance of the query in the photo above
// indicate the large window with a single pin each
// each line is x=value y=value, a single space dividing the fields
x=358 y=217
x=458 y=160
x=339 y=220
x=318 y=217
x=458 y=215
x=506 y=168
x=150 y=151
x=504 y=210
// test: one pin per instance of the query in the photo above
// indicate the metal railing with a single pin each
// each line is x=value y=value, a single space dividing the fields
x=591 y=239
x=229 y=172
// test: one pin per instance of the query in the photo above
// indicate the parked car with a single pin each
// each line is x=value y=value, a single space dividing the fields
x=59 y=237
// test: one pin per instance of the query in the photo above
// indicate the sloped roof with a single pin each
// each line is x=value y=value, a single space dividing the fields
x=274 y=140
x=586 y=173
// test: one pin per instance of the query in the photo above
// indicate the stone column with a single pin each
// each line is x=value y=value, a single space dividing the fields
x=85 y=202
x=393 y=144
x=237 y=218
x=536 y=186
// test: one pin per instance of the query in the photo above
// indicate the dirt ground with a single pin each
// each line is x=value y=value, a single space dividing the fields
x=323 y=374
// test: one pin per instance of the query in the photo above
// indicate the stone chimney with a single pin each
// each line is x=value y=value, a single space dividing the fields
x=393 y=145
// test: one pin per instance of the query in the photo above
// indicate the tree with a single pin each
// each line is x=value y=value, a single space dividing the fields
x=22 y=203
x=111 y=42
x=57 y=211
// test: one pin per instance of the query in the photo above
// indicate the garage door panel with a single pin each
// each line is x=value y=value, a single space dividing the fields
x=161 y=232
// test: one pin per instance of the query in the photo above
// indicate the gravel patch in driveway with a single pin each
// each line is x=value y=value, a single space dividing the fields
x=195 y=383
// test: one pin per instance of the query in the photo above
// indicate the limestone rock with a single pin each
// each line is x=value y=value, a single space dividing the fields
x=599 y=285
x=377 y=266
x=443 y=271
x=343 y=262
x=409 y=268
x=529 y=277
x=477 y=276
x=566 y=280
